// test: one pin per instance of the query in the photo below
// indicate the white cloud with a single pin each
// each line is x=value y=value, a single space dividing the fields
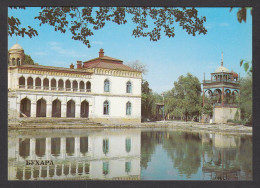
x=64 y=51
x=97 y=42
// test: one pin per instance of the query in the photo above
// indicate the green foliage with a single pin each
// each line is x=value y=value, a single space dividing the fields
x=207 y=109
x=28 y=60
x=247 y=65
x=236 y=118
x=82 y=21
x=246 y=99
x=184 y=100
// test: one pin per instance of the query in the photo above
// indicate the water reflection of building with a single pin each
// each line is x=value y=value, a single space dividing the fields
x=220 y=156
x=106 y=154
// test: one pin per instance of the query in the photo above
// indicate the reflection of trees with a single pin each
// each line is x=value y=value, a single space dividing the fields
x=148 y=143
x=245 y=154
x=190 y=151
x=185 y=150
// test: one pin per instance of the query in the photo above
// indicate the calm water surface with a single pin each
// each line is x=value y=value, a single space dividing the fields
x=128 y=154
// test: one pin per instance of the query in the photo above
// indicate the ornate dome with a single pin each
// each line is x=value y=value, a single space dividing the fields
x=16 y=47
x=221 y=69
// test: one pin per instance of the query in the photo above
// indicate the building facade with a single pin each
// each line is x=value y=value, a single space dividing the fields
x=101 y=89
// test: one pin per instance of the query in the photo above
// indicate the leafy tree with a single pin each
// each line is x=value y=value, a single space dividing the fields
x=246 y=99
x=187 y=94
x=28 y=60
x=207 y=109
x=137 y=65
x=147 y=100
x=82 y=21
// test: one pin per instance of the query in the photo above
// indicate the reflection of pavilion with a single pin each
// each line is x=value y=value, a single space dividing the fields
x=106 y=154
x=221 y=162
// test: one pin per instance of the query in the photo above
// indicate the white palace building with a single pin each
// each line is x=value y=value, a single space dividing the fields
x=101 y=89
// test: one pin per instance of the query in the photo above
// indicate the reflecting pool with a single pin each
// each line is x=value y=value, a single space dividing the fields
x=127 y=154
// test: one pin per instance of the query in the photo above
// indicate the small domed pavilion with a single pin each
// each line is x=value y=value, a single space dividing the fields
x=222 y=88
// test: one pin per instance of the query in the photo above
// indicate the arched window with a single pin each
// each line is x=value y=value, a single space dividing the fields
x=38 y=83
x=106 y=108
x=21 y=82
x=106 y=85
x=30 y=83
x=81 y=86
x=53 y=84
x=88 y=86
x=46 y=84
x=105 y=146
x=128 y=108
x=129 y=87
x=75 y=85
x=61 y=84
x=128 y=144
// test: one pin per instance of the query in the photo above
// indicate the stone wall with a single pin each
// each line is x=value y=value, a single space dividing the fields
x=222 y=114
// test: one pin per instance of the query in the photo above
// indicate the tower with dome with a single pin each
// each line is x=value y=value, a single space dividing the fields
x=222 y=91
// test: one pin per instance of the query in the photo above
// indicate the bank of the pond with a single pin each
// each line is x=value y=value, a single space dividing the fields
x=83 y=124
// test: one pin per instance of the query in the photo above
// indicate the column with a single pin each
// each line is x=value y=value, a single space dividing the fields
x=18 y=108
x=77 y=146
x=64 y=85
x=203 y=97
x=49 y=84
x=48 y=148
x=64 y=109
x=77 y=112
x=49 y=109
x=32 y=148
x=25 y=83
x=33 y=109
x=63 y=147
x=34 y=80
x=222 y=97
x=42 y=83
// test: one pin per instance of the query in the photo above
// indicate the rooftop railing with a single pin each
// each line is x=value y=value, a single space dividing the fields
x=54 y=88
x=221 y=81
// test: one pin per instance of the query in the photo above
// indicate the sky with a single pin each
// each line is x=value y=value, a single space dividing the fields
x=166 y=59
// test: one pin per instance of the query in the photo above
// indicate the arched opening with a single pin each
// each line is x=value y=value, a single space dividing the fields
x=71 y=108
x=40 y=146
x=53 y=84
x=88 y=86
x=18 y=62
x=38 y=83
x=41 y=108
x=84 y=145
x=56 y=108
x=22 y=82
x=217 y=96
x=227 y=97
x=75 y=85
x=25 y=108
x=70 y=145
x=61 y=85
x=68 y=85
x=106 y=85
x=24 y=147
x=128 y=87
x=106 y=108
x=84 y=109
x=30 y=83
x=46 y=84
x=128 y=108
x=81 y=86
x=13 y=62
x=55 y=146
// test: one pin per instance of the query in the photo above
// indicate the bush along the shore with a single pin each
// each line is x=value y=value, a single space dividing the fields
x=239 y=122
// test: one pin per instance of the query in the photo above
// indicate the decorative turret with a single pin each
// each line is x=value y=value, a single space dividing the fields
x=16 y=55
